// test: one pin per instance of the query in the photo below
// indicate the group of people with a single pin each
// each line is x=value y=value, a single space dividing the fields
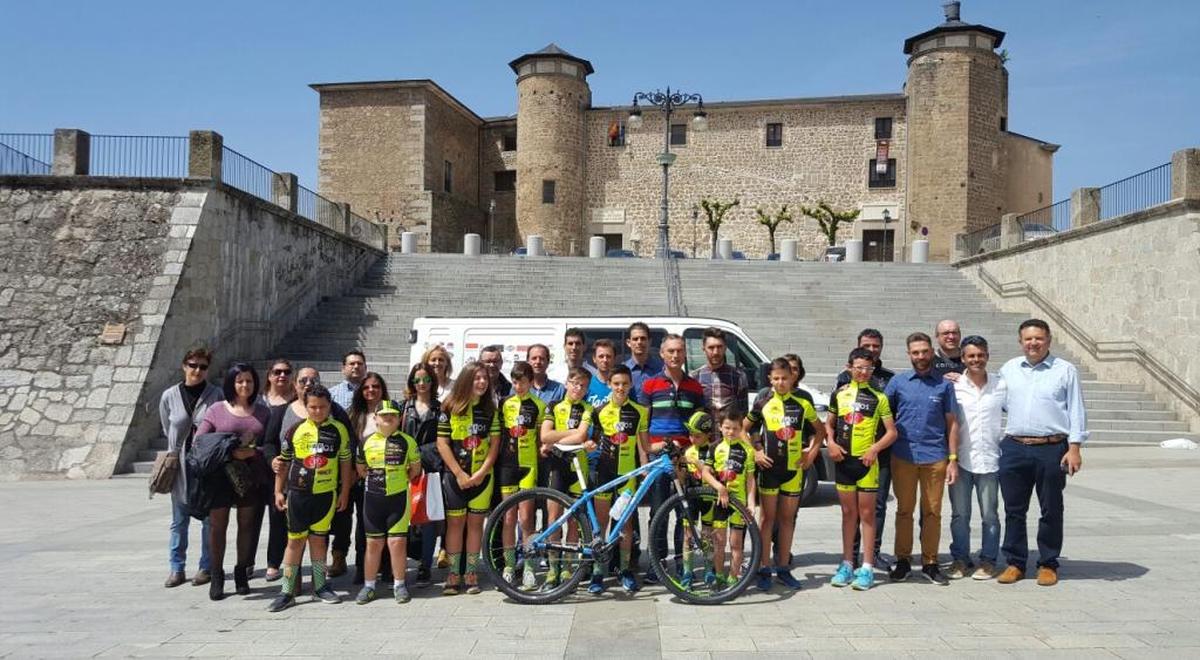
x=319 y=462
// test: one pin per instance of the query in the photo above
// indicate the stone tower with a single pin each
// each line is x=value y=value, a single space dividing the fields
x=957 y=91
x=552 y=96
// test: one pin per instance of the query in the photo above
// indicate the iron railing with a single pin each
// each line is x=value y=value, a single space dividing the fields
x=318 y=209
x=980 y=241
x=158 y=156
x=26 y=153
x=1046 y=220
x=1137 y=192
x=247 y=175
x=365 y=231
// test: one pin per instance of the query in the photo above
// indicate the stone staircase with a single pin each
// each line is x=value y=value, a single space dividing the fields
x=813 y=309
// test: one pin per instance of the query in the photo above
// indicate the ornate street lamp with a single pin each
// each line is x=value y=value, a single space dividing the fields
x=668 y=101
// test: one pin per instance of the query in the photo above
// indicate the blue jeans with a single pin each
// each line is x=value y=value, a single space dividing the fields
x=987 y=490
x=177 y=550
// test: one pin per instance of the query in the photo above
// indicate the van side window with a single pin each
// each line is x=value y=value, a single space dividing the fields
x=736 y=353
x=618 y=337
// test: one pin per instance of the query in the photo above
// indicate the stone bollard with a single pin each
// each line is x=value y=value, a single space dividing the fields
x=1185 y=174
x=72 y=152
x=471 y=243
x=725 y=248
x=408 y=242
x=534 y=246
x=1085 y=207
x=920 y=251
x=596 y=247
x=854 y=249
x=787 y=250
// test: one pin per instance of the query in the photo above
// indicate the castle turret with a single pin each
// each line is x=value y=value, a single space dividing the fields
x=552 y=96
x=957 y=93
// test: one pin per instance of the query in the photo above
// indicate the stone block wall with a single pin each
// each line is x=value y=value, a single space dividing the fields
x=178 y=263
x=493 y=158
x=1028 y=173
x=825 y=154
x=455 y=218
x=1135 y=278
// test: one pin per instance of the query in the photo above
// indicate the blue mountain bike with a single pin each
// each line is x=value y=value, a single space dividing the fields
x=705 y=568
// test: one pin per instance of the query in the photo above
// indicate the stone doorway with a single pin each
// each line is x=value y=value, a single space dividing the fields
x=879 y=244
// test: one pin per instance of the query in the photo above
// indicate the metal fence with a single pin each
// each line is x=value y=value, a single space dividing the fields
x=365 y=231
x=318 y=209
x=980 y=241
x=159 y=156
x=247 y=175
x=26 y=153
x=1137 y=192
x=1046 y=220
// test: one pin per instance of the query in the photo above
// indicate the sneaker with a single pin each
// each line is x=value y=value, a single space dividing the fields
x=328 y=595
x=509 y=574
x=528 y=580
x=473 y=588
x=883 y=562
x=401 y=595
x=365 y=595
x=934 y=574
x=785 y=576
x=650 y=577
x=564 y=575
x=629 y=581
x=174 y=579
x=900 y=571
x=685 y=581
x=843 y=576
x=958 y=570
x=281 y=603
x=551 y=582
x=864 y=579
x=201 y=578
x=985 y=571
x=710 y=577
x=272 y=574
x=424 y=579
x=597 y=586
x=450 y=589
x=764 y=579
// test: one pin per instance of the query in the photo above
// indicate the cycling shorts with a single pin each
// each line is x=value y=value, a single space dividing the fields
x=702 y=506
x=605 y=474
x=851 y=475
x=777 y=480
x=459 y=502
x=386 y=515
x=514 y=478
x=309 y=514
x=727 y=516
x=560 y=474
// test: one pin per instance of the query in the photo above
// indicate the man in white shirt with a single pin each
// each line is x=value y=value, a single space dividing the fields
x=980 y=399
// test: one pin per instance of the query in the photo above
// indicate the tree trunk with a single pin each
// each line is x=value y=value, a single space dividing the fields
x=713 y=255
x=771 y=235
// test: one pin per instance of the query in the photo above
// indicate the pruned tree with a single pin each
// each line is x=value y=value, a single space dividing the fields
x=772 y=221
x=829 y=218
x=715 y=210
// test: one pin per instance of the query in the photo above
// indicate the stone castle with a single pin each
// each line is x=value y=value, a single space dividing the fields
x=931 y=161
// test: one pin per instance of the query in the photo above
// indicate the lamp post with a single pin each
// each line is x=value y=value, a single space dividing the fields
x=888 y=250
x=668 y=101
x=695 y=224
x=492 y=226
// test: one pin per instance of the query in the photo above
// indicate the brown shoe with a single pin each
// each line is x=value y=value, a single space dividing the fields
x=174 y=579
x=1046 y=576
x=1010 y=575
x=201 y=578
x=338 y=567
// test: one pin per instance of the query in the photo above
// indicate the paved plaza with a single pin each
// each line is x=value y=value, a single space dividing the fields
x=82 y=564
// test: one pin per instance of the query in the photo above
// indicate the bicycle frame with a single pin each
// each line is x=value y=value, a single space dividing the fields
x=654 y=470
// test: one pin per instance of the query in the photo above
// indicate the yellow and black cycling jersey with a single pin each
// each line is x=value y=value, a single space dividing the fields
x=522 y=418
x=786 y=421
x=569 y=415
x=387 y=459
x=860 y=410
x=314 y=452
x=733 y=465
x=470 y=434
x=696 y=457
x=618 y=428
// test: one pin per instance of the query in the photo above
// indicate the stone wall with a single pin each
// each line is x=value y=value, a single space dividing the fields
x=493 y=158
x=1029 y=173
x=1131 y=279
x=451 y=136
x=178 y=263
x=825 y=154
x=455 y=218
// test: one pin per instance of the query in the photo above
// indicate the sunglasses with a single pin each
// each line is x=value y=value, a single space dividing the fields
x=281 y=372
x=310 y=380
x=423 y=380
x=197 y=365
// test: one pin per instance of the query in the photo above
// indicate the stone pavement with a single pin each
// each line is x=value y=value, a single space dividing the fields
x=82 y=565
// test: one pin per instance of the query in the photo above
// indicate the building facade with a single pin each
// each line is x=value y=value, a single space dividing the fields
x=929 y=162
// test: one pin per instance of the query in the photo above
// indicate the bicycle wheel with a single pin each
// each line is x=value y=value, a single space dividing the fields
x=553 y=573
x=692 y=571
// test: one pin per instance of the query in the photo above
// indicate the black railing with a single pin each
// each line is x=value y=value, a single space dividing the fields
x=318 y=209
x=1046 y=220
x=980 y=241
x=158 y=156
x=1137 y=192
x=26 y=153
x=247 y=175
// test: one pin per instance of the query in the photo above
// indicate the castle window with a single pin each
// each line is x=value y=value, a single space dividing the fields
x=547 y=191
x=885 y=179
x=505 y=181
x=509 y=142
x=616 y=133
x=448 y=177
x=774 y=135
x=1004 y=123
x=883 y=128
x=678 y=135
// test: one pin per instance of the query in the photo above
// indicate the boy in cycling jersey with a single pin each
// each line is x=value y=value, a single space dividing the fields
x=696 y=459
x=521 y=416
x=732 y=476
x=856 y=410
x=568 y=422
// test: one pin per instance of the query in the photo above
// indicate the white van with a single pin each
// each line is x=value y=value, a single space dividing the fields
x=464 y=338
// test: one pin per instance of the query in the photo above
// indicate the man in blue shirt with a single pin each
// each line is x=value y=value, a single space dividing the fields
x=925 y=454
x=543 y=386
x=1046 y=427
x=642 y=362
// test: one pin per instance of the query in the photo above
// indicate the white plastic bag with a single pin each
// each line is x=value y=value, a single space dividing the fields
x=1178 y=443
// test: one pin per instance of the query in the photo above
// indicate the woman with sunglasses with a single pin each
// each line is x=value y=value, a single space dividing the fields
x=419 y=419
x=363 y=404
x=181 y=408
x=244 y=414
x=279 y=392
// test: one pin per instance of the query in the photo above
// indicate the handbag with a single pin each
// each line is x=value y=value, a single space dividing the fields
x=427 y=499
x=163 y=472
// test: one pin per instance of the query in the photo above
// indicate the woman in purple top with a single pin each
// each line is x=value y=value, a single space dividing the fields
x=244 y=414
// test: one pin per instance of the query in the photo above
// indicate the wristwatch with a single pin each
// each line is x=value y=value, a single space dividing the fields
x=954 y=457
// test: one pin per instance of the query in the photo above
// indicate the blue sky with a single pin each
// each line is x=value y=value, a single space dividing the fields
x=1116 y=83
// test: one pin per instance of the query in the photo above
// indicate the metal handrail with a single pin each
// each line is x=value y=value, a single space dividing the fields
x=675 y=302
x=1130 y=350
x=1136 y=192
